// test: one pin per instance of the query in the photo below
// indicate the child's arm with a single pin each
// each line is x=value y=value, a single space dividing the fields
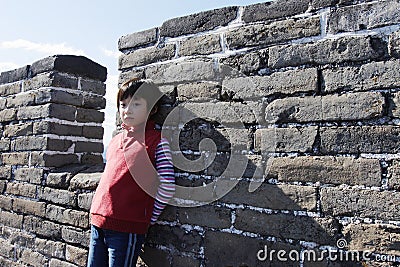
x=165 y=171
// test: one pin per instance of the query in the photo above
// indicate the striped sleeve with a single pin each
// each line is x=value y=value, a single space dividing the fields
x=166 y=175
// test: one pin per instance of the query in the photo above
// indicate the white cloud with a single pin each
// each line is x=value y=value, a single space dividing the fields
x=110 y=53
x=5 y=66
x=46 y=48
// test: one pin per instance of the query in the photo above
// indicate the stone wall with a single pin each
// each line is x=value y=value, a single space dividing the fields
x=306 y=93
x=51 y=159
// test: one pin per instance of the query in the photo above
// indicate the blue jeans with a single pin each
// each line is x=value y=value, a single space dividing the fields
x=113 y=249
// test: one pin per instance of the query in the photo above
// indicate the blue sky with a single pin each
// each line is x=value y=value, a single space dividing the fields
x=31 y=30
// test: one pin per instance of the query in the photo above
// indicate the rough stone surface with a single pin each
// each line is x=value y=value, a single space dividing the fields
x=138 y=39
x=201 y=45
x=394 y=175
x=246 y=63
x=14 y=75
x=145 y=56
x=394 y=44
x=200 y=91
x=217 y=217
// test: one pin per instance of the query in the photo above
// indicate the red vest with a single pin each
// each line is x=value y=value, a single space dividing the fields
x=124 y=198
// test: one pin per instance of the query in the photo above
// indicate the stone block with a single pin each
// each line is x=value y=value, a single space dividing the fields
x=59 y=263
x=326 y=170
x=75 y=236
x=6 y=249
x=330 y=51
x=87 y=181
x=88 y=147
x=29 y=207
x=57 y=196
x=21 y=99
x=95 y=132
x=21 y=129
x=10 y=89
x=50 y=248
x=76 y=255
x=361 y=203
x=207 y=216
x=11 y=219
x=272 y=33
x=20 y=158
x=3 y=103
x=274 y=197
x=274 y=10
x=319 y=230
x=5 y=144
x=8 y=115
x=285 y=139
x=364 y=16
x=252 y=87
x=394 y=44
x=394 y=175
x=55 y=95
x=93 y=101
x=186 y=261
x=146 y=56
x=354 y=106
x=138 y=39
x=60 y=180
x=375 y=75
x=394 y=106
x=246 y=63
x=33 y=258
x=47 y=127
x=92 y=86
x=21 y=189
x=89 y=115
x=127 y=75
x=199 y=91
x=200 y=45
x=153 y=256
x=85 y=200
x=360 y=139
x=51 y=160
x=67 y=216
x=199 y=22
x=14 y=75
x=6 y=202
x=5 y=172
x=58 y=111
x=78 y=65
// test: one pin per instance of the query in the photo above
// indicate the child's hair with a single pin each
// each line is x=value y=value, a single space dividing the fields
x=141 y=89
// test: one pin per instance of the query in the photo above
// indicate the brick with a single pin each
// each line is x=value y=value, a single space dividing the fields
x=21 y=129
x=21 y=189
x=52 y=160
x=55 y=95
x=375 y=238
x=89 y=115
x=50 y=248
x=185 y=241
x=33 y=258
x=200 y=45
x=394 y=44
x=6 y=249
x=227 y=249
x=317 y=4
x=92 y=159
x=5 y=172
x=67 y=216
x=319 y=230
x=296 y=81
x=93 y=101
x=285 y=139
x=59 y=263
x=78 y=65
x=5 y=144
x=217 y=217
x=21 y=99
x=8 y=115
x=360 y=203
x=75 y=236
x=246 y=63
x=186 y=261
x=85 y=201
x=57 y=196
x=88 y=181
x=60 y=180
x=18 y=237
x=59 y=111
x=76 y=255
x=153 y=256
x=92 y=86
x=360 y=139
x=40 y=143
x=50 y=79
x=199 y=91
x=10 y=89
x=354 y=106
x=21 y=158
x=364 y=16
x=275 y=197
x=88 y=147
x=14 y=75
x=394 y=175
x=199 y=22
x=3 y=103
x=126 y=75
x=6 y=202
x=376 y=75
x=29 y=207
x=394 y=106
x=138 y=39
x=327 y=170
x=46 y=127
x=274 y=10
x=10 y=263
x=146 y=56
x=96 y=132
x=331 y=51
x=272 y=33
x=11 y=219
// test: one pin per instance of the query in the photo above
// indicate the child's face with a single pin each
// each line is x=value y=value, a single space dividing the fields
x=133 y=111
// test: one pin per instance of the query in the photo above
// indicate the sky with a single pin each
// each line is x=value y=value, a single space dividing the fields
x=32 y=30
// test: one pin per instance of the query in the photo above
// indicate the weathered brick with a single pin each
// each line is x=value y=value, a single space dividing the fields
x=21 y=189
x=272 y=33
x=29 y=207
x=317 y=4
x=320 y=230
x=394 y=175
x=199 y=91
x=59 y=263
x=373 y=238
x=10 y=263
x=138 y=39
x=331 y=51
x=20 y=158
x=361 y=203
x=203 y=21
x=40 y=143
x=364 y=16
x=92 y=159
x=70 y=64
x=67 y=216
x=75 y=235
x=51 y=160
x=57 y=196
x=6 y=249
x=93 y=101
x=10 y=89
x=47 y=127
x=18 y=237
x=96 y=132
x=247 y=63
x=200 y=45
x=285 y=139
x=146 y=56
x=89 y=115
x=50 y=248
x=21 y=99
x=87 y=181
x=92 y=86
x=14 y=75
x=21 y=129
x=76 y=255
x=360 y=139
x=216 y=217
x=394 y=45
x=354 y=106
x=5 y=144
x=5 y=172
x=326 y=170
x=127 y=75
x=50 y=79
x=186 y=261
x=227 y=249
x=274 y=10
x=153 y=256
x=8 y=115
x=394 y=107
x=2 y=186
x=59 y=111
x=275 y=197
x=85 y=201
x=296 y=81
x=11 y=219
x=88 y=147
x=58 y=179
x=186 y=241
x=3 y=103
x=6 y=202
x=56 y=95
x=33 y=258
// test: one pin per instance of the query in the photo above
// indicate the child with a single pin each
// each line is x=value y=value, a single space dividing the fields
x=138 y=168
